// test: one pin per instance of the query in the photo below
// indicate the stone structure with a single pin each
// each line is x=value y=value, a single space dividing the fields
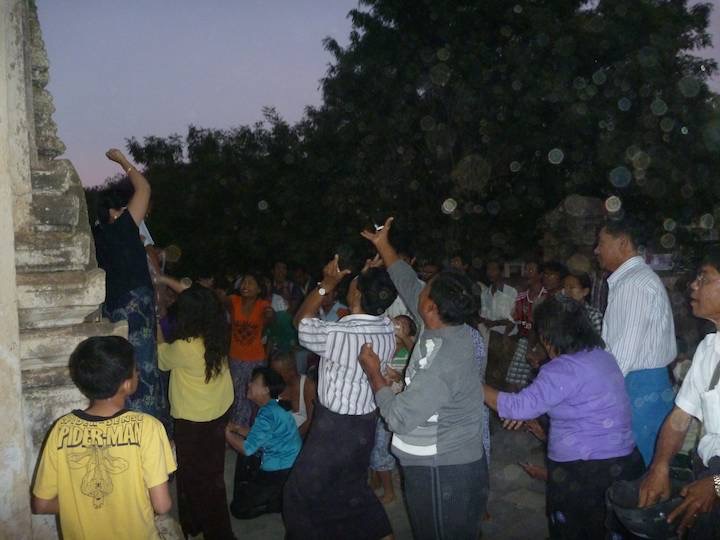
x=50 y=286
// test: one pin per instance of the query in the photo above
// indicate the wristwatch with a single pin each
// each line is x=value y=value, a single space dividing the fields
x=716 y=481
x=322 y=291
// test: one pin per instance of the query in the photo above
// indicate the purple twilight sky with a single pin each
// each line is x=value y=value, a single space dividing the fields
x=122 y=69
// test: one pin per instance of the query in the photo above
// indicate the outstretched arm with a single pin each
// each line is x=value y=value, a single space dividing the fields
x=381 y=240
x=656 y=484
x=140 y=200
x=332 y=276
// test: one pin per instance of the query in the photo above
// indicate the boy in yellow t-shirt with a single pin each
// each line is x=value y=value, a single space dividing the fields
x=105 y=469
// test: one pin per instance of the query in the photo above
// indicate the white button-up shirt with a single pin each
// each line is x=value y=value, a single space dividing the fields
x=342 y=386
x=695 y=399
x=498 y=305
x=638 y=327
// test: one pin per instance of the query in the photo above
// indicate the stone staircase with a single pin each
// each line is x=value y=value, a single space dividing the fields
x=59 y=289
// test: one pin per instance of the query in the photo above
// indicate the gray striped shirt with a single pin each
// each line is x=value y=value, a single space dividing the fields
x=638 y=327
x=343 y=387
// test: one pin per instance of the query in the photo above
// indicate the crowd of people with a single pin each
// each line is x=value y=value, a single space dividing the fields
x=327 y=391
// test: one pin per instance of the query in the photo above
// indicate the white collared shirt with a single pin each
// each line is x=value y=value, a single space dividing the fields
x=498 y=305
x=342 y=386
x=638 y=327
x=695 y=399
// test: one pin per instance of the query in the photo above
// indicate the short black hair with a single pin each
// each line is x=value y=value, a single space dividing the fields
x=110 y=199
x=271 y=378
x=583 y=278
x=377 y=290
x=555 y=267
x=100 y=364
x=452 y=292
x=563 y=322
x=711 y=257
x=626 y=226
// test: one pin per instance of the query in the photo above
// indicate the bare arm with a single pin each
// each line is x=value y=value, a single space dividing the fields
x=656 y=484
x=491 y=396
x=332 y=276
x=177 y=285
x=140 y=200
x=44 y=506
x=160 y=498
x=381 y=240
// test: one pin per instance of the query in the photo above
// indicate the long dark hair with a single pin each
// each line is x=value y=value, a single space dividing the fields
x=201 y=315
x=564 y=324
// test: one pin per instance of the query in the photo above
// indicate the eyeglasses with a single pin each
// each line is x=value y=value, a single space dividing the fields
x=702 y=279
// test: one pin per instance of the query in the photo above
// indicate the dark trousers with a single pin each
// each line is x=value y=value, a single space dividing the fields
x=202 y=503
x=260 y=495
x=446 y=502
x=576 y=493
x=327 y=494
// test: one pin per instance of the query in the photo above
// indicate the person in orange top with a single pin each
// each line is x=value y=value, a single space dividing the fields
x=249 y=314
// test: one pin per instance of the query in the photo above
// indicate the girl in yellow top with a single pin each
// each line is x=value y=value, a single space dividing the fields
x=201 y=393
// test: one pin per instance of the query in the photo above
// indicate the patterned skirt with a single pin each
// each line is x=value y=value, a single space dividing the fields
x=137 y=307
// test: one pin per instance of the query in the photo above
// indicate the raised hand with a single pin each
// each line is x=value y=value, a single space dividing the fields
x=116 y=155
x=332 y=275
x=380 y=236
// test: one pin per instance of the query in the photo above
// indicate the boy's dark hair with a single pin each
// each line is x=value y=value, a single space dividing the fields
x=564 y=323
x=272 y=379
x=627 y=226
x=100 y=364
x=555 y=267
x=452 y=292
x=377 y=290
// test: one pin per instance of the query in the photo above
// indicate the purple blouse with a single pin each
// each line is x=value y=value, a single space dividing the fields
x=584 y=395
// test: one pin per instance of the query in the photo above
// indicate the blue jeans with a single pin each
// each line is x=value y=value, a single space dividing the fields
x=446 y=502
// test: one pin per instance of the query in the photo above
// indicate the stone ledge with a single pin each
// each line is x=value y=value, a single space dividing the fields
x=57 y=177
x=50 y=347
x=52 y=251
x=39 y=291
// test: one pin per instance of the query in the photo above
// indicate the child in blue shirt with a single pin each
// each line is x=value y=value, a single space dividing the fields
x=275 y=433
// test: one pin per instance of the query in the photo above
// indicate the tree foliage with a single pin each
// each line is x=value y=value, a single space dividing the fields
x=466 y=120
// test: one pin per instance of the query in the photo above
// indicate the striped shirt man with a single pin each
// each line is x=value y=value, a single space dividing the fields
x=638 y=327
x=343 y=387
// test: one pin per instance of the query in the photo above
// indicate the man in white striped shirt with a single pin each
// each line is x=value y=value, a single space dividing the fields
x=638 y=329
x=327 y=494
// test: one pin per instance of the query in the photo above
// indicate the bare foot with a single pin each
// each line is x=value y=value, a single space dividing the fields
x=387 y=498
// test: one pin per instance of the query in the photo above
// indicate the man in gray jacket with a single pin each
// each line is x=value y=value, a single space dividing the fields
x=437 y=419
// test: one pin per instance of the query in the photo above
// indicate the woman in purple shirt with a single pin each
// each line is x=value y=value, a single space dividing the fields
x=590 y=444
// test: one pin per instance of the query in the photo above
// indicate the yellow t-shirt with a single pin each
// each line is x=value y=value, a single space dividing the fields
x=101 y=470
x=191 y=398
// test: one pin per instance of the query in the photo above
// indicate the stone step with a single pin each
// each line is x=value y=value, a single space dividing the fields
x=56 y=212
x=56 y=177
x=54 y=251
x=58 y=202
x=44 y=349
x=47 y=299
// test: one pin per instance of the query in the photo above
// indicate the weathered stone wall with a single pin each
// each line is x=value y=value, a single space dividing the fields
x=14 y=205
x=50 y=286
